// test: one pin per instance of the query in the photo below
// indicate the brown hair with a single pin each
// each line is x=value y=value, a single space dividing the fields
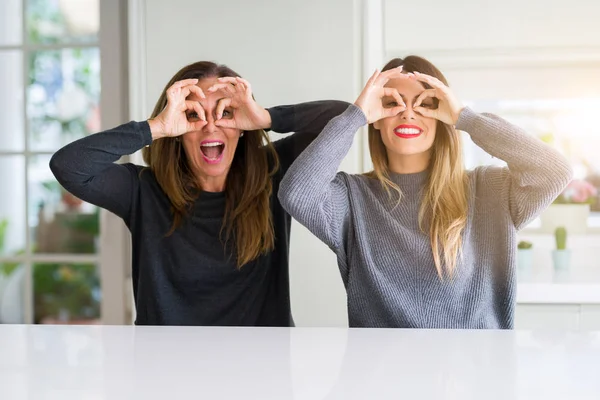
x=444 y=205
x=248 y=220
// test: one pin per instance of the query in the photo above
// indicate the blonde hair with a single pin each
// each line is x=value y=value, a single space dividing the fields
x=248 y=221
x=444 y=206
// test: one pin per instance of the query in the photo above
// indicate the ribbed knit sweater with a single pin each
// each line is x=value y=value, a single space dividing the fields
x=386 y=261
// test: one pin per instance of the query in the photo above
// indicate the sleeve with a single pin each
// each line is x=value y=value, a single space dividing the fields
x=312 y=191
x=535 y=174
x=87 y=168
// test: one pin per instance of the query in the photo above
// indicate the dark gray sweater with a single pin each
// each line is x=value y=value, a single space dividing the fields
x=188 y=278
x=386 y=261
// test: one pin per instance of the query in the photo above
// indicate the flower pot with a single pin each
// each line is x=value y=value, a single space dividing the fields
x=561 y=259
x=574 y=217
x=524 y=259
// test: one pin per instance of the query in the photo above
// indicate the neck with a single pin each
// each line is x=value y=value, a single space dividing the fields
x=212 y=183
x=408 y=164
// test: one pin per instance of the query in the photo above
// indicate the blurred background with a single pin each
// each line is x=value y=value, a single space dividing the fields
x=69 y=68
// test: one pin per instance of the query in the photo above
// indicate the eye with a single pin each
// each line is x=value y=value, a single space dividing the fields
x=431 y=103
x=192 y=115
x=391 y=104
x=227 y=114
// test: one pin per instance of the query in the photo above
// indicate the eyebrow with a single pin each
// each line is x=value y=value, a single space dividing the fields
x=404 y=97
x=198 y=101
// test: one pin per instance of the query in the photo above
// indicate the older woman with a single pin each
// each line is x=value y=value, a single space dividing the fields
x=210 y=241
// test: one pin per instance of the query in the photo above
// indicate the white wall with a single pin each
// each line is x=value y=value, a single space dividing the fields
x=291 y=51
x=296 y=51
x=491 y=25
x=513 y=50
x=508 y=49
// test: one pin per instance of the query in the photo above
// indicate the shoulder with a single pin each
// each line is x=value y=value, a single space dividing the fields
x=358 y=183
x=488 y=176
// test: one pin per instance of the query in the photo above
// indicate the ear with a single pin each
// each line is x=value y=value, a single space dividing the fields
x=377 y=125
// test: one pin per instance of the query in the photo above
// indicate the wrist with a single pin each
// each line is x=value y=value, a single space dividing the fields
x=456 y=115
x=364 y=111
x=156 y=129
x=266 y=120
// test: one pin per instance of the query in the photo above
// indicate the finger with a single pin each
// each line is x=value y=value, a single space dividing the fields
x=194 y=105
x=185 y=91
x=241 y=86
x=184 y=82
x=391 y=92
x=178 y=94
x=221 y=105
x=215 y=87
x=393 y=73
x=242 y=89
x=431 y=78
x=426 y=112
x=197 y=91
x=373 y=77
x=433 y=82
x=197 y=125
x=228 y=79
x=225 y=123
x=392 y=112
x=232 y=81
x=200 y=110
x=246 y=83
x=238 y=87
x=426 y=94
x=200 y=123
x=226 y=87
x=173 y=92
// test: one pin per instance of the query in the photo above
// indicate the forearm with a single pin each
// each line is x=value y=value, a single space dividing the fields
x=536 y=172
x=309 y=191
x=87 y=167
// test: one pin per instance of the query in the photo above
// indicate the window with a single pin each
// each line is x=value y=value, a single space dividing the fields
x=568 y=125
x=49 y=239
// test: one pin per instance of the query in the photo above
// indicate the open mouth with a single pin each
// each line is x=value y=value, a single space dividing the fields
x=212 y=151
x=408 y=131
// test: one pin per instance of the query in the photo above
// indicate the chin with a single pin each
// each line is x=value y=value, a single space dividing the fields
x=215 y=170
x=408 y=151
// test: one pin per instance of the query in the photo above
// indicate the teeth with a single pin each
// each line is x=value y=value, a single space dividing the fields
x=213 y=144
x=408 y=131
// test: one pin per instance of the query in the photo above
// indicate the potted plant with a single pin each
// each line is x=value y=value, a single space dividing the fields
x=524 y=254
x=561 y=256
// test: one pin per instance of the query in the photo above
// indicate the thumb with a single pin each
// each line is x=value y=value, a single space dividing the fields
x=425 y=112
x=392 y=112
x=223 y=103
x=225 y=123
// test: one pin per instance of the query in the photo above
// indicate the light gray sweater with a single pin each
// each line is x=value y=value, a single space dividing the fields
x=386 y=261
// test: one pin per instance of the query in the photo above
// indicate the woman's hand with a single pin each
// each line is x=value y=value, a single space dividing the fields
x=173 y=119
x=370 y=100
x=449 y=107
x=238 y=109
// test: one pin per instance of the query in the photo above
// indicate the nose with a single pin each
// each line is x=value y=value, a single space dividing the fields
x=210 y=126
x=409 y=112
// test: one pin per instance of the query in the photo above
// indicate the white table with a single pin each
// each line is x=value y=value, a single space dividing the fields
x=80 y=363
